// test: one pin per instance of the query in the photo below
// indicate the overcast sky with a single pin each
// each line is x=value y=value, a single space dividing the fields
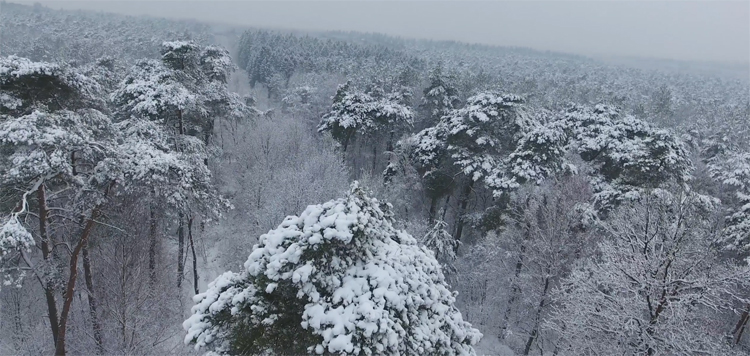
x=687 y=30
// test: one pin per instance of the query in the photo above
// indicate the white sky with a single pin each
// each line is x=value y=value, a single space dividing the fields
x=686 y=30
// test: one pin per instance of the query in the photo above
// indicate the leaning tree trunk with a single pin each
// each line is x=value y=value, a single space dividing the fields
x=70 y=286
x=739 y=329
x=463 y=204
x=195 y=259
x=49 y=293
x=181 y=226
x=180 y=250
x=92 y=300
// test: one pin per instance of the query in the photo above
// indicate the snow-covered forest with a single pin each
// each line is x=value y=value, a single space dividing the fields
x=182 y=188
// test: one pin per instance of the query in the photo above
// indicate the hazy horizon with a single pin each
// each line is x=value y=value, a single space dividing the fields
x=710 y=31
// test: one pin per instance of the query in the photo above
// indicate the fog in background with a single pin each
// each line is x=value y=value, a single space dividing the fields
x=716 y=31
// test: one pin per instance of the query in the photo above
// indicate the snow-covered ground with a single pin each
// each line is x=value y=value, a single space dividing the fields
x=491 y=346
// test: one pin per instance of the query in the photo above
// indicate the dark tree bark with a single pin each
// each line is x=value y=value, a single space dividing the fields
x=195 y=259
x=445 y=207
x=515 y=290
x=433 y=210
x=463 y=204
x=739 y=329
x=535 y=332
x=152 y=228
x=92 y=300
x=180 y=249
x=49 y=292
x=70 y=286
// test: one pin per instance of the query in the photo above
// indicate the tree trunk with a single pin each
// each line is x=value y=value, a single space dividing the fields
x=374 y=156
x=539 y=310
x=463 y=204
x=195 y=259
x=73 y=162
x=445 y=207
x=49 y=293
x=515 y=289
x=180 y=250
x=739 y=329
x=346 y=141
x=92 y=300
x=180 y=126
x=390 y=141
x=152 y=228
x=433 y=210
x=70 y=286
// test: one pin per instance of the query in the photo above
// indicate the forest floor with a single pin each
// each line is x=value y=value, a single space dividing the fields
x=491 y=346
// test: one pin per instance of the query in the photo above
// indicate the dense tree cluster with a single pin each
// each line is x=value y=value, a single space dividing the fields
x=564 y=205
x=272 y=58
x=72 y=153
x=43 y=34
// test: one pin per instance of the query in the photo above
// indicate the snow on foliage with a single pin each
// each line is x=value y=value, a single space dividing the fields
x=150 y=90
x=442 y=243
x=627 y=154
x=539 y=154
x=13 y=236
x=29 y=84
x=732 y=169
x=187 y=89
x=440 y=96
x=53 y=138
x=476 y=139
x=40 y=142
x=354 y=112
x=337 y=280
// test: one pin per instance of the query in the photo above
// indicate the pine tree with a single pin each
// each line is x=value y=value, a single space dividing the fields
x=628 y=156
x=337 y=280
x=439 y=97
x=474 y=141
x=57 y=140
x=356 y=113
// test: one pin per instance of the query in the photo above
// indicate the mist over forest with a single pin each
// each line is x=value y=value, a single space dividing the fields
x=191 y=187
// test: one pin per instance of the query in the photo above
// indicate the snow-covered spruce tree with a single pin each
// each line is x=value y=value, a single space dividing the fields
x=658 y=287
x=337 y=280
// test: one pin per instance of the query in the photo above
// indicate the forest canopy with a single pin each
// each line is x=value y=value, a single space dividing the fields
x=174 y=187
